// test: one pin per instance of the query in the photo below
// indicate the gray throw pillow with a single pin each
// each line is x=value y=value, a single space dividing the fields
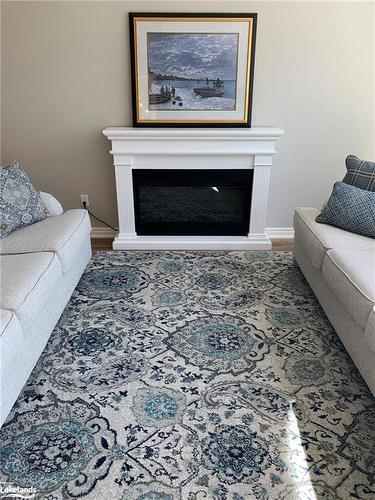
x=350 y=208
x=360 y=173
x=20 y=202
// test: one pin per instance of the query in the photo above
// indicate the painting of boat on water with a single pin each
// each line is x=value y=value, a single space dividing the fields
x=192 y=71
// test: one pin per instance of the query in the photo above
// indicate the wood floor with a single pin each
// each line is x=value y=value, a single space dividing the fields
x=101 y=244
x=106 y=244
x=282 y=245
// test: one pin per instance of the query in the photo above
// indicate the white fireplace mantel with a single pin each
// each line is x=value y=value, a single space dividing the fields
x=198 y=148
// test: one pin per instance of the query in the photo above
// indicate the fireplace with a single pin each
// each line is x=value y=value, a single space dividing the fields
x=192 y=202
x=192 y=188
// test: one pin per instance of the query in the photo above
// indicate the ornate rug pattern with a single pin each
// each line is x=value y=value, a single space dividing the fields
x=193 y=376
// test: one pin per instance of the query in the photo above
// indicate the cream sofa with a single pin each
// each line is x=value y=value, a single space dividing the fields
x=40 y=266
x=340 y=268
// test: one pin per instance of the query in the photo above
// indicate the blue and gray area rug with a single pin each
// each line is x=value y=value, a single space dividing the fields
x=193 y=376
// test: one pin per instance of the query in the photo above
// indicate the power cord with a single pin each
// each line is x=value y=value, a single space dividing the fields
x=84 y=203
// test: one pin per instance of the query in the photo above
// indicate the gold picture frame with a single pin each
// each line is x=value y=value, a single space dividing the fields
x=192 y=70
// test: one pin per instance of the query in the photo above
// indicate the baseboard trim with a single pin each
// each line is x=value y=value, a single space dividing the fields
x=275 y=233
x=280 y=233
x=102 y=232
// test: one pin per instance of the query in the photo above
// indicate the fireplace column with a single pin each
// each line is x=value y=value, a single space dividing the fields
x=259 y=201
x=125 y=200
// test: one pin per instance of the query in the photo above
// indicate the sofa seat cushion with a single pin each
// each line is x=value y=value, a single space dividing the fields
x=8 y=323
x=61 y=234
x=350 y=274
x=317 y=239
x=27 y=283
x=370 y=330
x=12 y=344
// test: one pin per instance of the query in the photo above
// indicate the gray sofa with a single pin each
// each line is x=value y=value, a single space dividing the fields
x=40 y=267
x=340 y=268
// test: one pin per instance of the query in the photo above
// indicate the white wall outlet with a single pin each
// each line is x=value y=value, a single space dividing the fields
x=85 y=198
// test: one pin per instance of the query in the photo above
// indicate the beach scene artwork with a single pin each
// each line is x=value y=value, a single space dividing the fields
x=192 y=71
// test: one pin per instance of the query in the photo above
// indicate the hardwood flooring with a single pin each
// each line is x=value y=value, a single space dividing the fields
x=282 y=245
x=101 y=244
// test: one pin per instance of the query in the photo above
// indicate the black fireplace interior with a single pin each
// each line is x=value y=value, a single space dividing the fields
x=192 y=202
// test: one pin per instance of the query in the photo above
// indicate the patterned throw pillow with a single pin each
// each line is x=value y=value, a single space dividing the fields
x=350 y=208
x=20 y=202
x=360 y=173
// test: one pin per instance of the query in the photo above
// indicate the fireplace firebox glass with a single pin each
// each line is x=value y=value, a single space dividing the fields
x=192 y=202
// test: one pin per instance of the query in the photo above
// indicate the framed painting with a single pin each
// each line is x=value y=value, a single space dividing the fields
x=192 y=70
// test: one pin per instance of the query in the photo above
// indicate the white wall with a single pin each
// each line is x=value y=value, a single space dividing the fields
x=65 y=76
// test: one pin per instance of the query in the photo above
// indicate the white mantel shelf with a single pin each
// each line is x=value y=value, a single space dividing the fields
x=192 y=148
x=186 y=133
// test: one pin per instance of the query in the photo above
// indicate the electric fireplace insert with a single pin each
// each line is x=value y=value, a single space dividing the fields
x=192 y=202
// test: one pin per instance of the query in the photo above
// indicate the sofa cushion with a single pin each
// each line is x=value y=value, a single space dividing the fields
x=350 y=208
x=20 y=202
x=350 y=274
x=370 y=330
x=317 y=238
x=62 y=234
x=360 y=173
x=12 y=342
x=8 y=322
x=27 y=283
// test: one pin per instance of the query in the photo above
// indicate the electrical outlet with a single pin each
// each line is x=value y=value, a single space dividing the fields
x=85 y=198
